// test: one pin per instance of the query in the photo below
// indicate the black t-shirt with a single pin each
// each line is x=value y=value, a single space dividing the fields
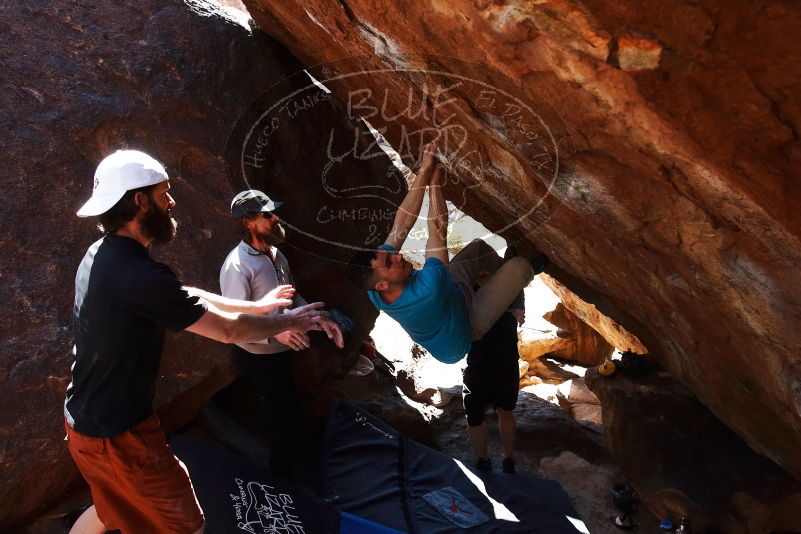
x=498 y=347
x=124 y=301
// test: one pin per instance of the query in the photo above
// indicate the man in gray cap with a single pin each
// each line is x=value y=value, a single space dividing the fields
x=252 y=269
x=124 y=302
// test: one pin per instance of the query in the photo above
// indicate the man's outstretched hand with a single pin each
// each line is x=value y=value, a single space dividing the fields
x=301 y=341
x=332 y=330
x=294 y=340
x=308 y=317
x=278 y=297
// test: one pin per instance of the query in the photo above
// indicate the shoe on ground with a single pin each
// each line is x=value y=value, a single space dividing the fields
x=508 y=466
x=484 y=464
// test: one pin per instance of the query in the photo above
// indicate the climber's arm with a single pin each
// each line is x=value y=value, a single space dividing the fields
x=409 y=209
x=437 y=244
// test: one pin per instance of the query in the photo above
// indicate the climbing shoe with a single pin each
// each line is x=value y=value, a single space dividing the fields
x=508 y=466
x=511 y=252
x=484 y=464
x=539 y=262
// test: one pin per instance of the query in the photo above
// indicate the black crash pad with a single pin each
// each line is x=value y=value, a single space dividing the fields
x=374 y=472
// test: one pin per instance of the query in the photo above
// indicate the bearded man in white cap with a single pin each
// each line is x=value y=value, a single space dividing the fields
x=124 y=302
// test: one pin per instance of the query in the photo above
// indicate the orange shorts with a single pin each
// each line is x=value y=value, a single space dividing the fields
x=137 y=484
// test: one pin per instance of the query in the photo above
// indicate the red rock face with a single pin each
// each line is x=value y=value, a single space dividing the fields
x=674 y=207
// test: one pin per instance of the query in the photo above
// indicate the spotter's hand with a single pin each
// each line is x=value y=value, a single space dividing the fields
x=294 y=340
x=277 y=298
x=333 y=332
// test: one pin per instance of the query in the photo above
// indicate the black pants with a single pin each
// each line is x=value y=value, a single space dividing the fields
x=269 y=377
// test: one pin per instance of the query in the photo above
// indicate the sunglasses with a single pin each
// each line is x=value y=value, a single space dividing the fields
x=387 y=257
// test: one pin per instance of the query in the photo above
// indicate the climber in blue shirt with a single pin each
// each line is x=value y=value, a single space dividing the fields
x=436 y=305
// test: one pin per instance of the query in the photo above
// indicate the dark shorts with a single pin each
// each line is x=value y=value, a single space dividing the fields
x=497 y=387
x=137 y=484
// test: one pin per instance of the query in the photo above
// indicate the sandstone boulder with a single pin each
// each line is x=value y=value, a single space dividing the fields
x=580 y=394
x=685 y=463
x=530 y=381
x=522 y=366
x=665 y=195
x=534 y=347
x=587 y=412
x=581 y=403
x=611 y=331
x=549 y=371
x=585 y=346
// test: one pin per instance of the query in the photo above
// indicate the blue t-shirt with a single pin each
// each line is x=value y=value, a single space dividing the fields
x=432 y=311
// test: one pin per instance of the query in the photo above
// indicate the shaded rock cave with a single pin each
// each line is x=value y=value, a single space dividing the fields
x=650 y=150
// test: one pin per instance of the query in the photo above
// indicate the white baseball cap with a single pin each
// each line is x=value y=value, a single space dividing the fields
x=120 y=172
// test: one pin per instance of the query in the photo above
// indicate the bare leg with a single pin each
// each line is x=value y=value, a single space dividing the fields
x=88 y=523
x=478 y=436
x=507 y=427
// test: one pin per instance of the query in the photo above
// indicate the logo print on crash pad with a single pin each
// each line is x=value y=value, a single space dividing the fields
x=455 y=507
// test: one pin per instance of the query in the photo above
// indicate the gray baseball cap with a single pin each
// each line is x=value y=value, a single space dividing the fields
x=252 y=201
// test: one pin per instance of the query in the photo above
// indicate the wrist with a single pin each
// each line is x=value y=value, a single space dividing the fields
x=286 y=322
x=255 y=308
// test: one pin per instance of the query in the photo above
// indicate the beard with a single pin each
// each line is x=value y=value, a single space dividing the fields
x=274 y=237
x=158 y=225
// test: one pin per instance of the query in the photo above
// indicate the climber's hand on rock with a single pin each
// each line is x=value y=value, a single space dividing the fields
x=427 y=163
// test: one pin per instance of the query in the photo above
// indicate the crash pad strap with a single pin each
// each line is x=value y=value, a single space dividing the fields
x=403 y=486
x=351 y=524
